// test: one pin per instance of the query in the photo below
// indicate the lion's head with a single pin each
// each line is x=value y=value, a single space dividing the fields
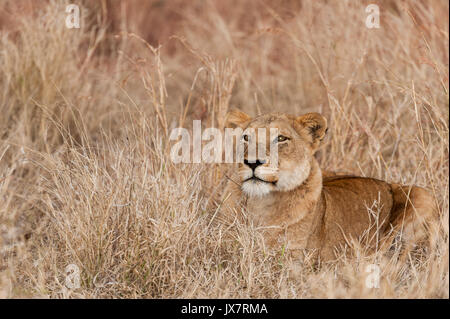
x=296 y=140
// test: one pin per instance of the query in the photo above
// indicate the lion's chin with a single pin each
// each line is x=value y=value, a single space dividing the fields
x=254 y=188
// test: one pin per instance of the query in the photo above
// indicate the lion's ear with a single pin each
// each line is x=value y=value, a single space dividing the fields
x=238 y=118
x=315 y=125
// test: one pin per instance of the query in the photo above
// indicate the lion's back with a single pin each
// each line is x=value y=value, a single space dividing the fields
x=355 y=206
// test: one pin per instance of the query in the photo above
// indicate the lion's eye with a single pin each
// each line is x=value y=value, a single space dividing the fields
x=245 y=137
x=281 y=138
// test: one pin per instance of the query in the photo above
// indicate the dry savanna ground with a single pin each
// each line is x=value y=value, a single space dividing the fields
x=85 y=171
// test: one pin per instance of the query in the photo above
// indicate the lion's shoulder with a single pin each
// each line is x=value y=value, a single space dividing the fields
x=359 y=186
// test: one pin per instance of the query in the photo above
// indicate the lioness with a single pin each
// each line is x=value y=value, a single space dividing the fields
x=308 y=212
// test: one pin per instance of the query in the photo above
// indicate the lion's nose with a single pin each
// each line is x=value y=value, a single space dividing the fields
x=253 y=165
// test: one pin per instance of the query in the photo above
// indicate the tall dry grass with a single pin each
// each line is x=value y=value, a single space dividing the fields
x=85 y=172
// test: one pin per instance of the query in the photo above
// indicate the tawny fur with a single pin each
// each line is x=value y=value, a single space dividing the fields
x=321 y=213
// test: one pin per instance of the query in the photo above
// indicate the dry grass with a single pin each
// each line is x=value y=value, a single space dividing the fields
x=85 y=173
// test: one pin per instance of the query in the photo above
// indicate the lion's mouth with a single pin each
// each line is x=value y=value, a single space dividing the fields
x=257 y=179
